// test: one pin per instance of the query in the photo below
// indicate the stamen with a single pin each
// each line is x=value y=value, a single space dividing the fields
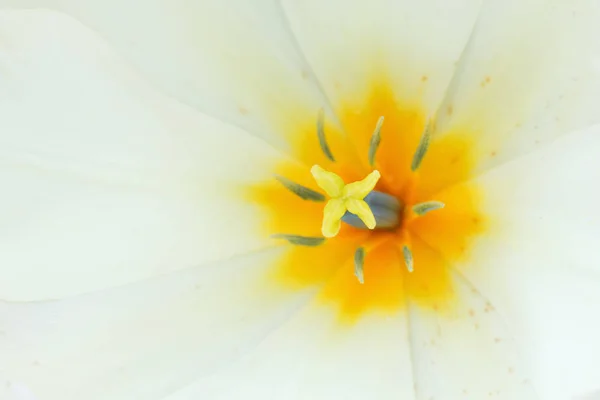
x=375 y=140
x=300 y=240
x=321 y=134
x=423 y=208
x=422 y=148
x=408 y=258
x=359 y=261
x=301 y=191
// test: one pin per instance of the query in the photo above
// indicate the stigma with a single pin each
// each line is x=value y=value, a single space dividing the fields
x=385 y=208
x=344 y=199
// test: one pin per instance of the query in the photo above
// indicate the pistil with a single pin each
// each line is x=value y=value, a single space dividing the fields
x=386 y=210
x=344 y=198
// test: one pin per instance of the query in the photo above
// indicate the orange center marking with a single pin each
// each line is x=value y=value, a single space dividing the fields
x=436 y=239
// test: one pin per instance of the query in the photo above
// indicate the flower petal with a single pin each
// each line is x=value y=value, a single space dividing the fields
x=531 y=72
x=465 y=351
x=589 y=396
x=237 y=60
x=145 y=340
x=104 y=181
x=313 y=358
x=540 y=258
x=409 y=45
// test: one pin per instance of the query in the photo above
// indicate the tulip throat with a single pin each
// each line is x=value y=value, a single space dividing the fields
x=358 y=204
x=425 y=205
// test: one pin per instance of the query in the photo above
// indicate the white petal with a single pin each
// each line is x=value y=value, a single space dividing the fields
x=310 y=358
x=530 y=73
x=539 y=262
x=551 y=313
x=589 y=396
x=466 y=352
x=549 y=198
x=409 y=46
x=235 y=60
x=103 y=180
x=142 y=341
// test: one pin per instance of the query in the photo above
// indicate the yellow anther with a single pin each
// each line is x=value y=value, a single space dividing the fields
x=344 y=198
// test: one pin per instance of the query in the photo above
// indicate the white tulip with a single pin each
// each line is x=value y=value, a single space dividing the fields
x=154 y=154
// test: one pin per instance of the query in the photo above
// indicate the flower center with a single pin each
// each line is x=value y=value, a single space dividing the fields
x=424 y=212
x=357 y=204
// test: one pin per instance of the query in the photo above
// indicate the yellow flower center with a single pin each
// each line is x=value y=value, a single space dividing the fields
x=435 y=240
x=344 y=198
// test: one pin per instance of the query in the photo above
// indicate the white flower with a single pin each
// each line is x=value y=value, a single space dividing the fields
x=137 y=259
